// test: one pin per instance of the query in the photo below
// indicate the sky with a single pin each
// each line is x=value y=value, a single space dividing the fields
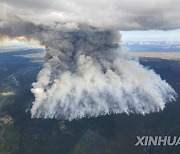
x=67 y=14
x=151 y=35
x=143 y=20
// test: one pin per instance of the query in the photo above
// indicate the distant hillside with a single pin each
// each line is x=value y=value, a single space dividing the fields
x=153 y=46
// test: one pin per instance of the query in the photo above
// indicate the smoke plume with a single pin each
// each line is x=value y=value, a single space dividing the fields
x=86 y=73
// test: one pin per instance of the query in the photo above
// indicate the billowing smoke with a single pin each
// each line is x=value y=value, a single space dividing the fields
x=87 y=74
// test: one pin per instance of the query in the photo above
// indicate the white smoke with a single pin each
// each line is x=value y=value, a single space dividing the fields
x=87 y=74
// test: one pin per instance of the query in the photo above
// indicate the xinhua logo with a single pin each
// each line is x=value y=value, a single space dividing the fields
x=157 y=141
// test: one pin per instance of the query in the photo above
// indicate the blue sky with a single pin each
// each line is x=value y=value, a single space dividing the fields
x=172 y=35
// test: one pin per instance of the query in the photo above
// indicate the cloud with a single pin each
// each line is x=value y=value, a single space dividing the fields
x=114 y=14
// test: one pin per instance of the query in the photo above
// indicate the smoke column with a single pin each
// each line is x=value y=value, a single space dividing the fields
x=87 y=74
